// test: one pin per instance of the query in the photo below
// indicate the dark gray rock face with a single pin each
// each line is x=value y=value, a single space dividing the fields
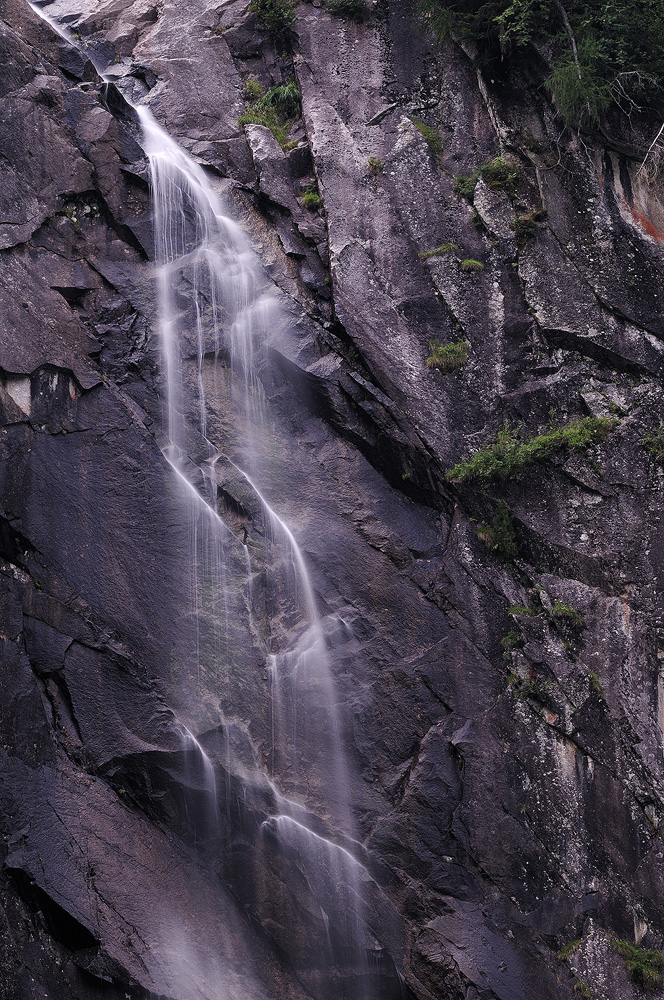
x=507 y=801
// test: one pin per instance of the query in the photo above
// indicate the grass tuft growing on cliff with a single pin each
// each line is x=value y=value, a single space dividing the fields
x=274 y=16
x=431 y=136
x=508 y=456
x=465 y=185
x=596 y=683
x=498 y=174
x=567 y=613
x=356 y=10
x=500 y=536
x=510 y=642
x=654 y=444
x=525 y=227
x=442 y=251
x=470 y=266
x=252 y=89
x=275 y=110
x=447 y=357
x=311 y=200
x=569 y=949
x=643 y=964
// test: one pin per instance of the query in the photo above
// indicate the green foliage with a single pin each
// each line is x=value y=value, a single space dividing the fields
x=468 y=266
x=560 y=611
x=581 y=986
x=264 y=115
x=465 y=185
x=355 y=9
x=252 y=89
x=513 y=640
x=643 y=964
x=525 y=228
x=500 y=536
x=515 y=21
x=275 y=110
x=274 y=16
x=567 y=613
x=654 y=444
x=285 y=98
x=375 y=166
x=530 y=686
x=508 y=456
x=596 y=683
x=311 y=200
x=569 y=949
x=447 y=357
x=498 y=174
x=442 y=251
x=580 y=98
x=619 y=57
x=431 y=137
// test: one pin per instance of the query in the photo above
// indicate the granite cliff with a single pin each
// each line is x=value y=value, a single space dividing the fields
x=496 y=643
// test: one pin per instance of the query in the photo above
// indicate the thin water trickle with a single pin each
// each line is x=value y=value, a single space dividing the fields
x=200 y=773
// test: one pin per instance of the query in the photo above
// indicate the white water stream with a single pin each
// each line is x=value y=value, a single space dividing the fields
x=216 y=313
x=214 y=301
x=213 y=298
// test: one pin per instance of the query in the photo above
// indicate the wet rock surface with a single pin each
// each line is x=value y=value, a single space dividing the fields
x=508 y=798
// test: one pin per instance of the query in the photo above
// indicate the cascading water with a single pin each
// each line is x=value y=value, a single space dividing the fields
x=214 y=302
x=216 y=312
x=209 y=281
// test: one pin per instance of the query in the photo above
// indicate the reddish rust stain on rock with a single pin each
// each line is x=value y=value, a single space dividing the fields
x=644 y=222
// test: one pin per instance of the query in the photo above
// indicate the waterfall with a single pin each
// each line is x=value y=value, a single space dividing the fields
x=213 y=299
x=216 y=312
x=215 y=303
